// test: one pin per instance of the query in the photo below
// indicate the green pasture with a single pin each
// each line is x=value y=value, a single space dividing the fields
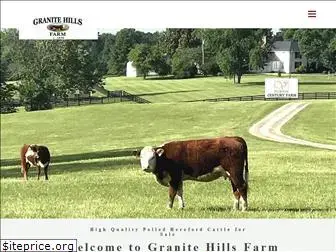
x=93 y=174
x=316 y=123
x=174 y=90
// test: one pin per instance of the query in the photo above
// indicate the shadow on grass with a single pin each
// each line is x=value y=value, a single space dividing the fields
x=217 y=208
x=172 y=77
x=292 y=210
x=302 y=83
x=81 y=156
x=171 y=92
x=57 y=169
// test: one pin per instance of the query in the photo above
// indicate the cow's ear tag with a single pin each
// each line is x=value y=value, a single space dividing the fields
x=159 y=152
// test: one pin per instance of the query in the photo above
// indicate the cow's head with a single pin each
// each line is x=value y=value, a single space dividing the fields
x=148 y=158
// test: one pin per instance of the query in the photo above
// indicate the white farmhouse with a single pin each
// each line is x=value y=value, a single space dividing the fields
x=285 y=57
x=131 y=70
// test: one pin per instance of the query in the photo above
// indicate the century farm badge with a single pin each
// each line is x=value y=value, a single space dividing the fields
x=58 y=26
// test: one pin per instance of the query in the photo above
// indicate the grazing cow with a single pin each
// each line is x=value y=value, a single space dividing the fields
x=201 y=160
x=35 y=155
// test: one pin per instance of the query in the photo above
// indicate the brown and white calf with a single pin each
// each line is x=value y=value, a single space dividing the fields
x=201 y=160
x=35 y=155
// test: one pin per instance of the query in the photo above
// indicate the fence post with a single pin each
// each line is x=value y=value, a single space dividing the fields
x=102 y=100
x=328 y=95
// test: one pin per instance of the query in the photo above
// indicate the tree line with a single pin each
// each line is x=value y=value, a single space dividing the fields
x=44 y=70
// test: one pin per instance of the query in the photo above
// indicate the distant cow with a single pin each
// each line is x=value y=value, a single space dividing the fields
x=35 y=155
x=199 y=160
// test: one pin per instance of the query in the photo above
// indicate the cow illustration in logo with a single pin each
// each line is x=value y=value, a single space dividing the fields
x=58 y=27
x=281 y=86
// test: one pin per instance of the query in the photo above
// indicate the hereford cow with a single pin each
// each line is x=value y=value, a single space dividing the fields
x=199 y=160
x=35 y=155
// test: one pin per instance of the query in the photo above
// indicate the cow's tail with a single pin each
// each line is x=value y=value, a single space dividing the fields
x=245 y=154
x=246 y=171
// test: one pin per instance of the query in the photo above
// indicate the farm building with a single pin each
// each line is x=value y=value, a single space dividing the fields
x=131 y=70
x=285 y=57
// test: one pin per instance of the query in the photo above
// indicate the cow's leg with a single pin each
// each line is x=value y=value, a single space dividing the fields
x=38 y=172
x=46 y=171
x=236 y=195
x=25 y=171
x=180 y=195
x=172 y=194
x=243 y=192
x=174 y=185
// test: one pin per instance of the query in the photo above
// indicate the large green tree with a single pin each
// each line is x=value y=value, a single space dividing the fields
x=103 y=51
x=9 y=37
x=35 y=59
x=6 y=90
x=9 y=42
x=140 y=55
x=185 y=62
x=160 y=62
x=50 y=68
x=318 y=45
x=80 y=68
x=238 y=50
x=125 y=40
x=173 y=38
x=149 y=58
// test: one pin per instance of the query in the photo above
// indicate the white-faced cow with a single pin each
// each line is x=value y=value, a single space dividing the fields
x=35 y=155
x=201 y=160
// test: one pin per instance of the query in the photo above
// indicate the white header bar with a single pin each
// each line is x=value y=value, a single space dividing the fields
x=177 y=14
x=193 y=235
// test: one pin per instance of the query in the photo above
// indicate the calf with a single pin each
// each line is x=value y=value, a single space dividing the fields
x=201 y=160
x=35 y=155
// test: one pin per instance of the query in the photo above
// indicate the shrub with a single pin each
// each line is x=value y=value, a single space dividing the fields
x=210 y=68
x=300 y=69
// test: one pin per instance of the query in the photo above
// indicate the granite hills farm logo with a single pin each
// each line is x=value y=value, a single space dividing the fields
x=58 y=27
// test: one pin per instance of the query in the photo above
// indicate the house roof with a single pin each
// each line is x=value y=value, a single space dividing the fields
x=286 y=45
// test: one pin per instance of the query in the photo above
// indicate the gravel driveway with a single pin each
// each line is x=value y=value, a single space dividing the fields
x=270 y=127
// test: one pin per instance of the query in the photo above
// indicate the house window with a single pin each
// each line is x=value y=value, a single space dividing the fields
x=277 y=65
x=297 y=55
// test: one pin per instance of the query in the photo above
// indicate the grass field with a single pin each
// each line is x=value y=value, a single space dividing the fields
x=170 y=90
x=316 y=123
x=93 y=177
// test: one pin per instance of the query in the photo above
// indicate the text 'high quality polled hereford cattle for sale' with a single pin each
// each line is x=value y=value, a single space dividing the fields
x=35 y=155
x=202 y=160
